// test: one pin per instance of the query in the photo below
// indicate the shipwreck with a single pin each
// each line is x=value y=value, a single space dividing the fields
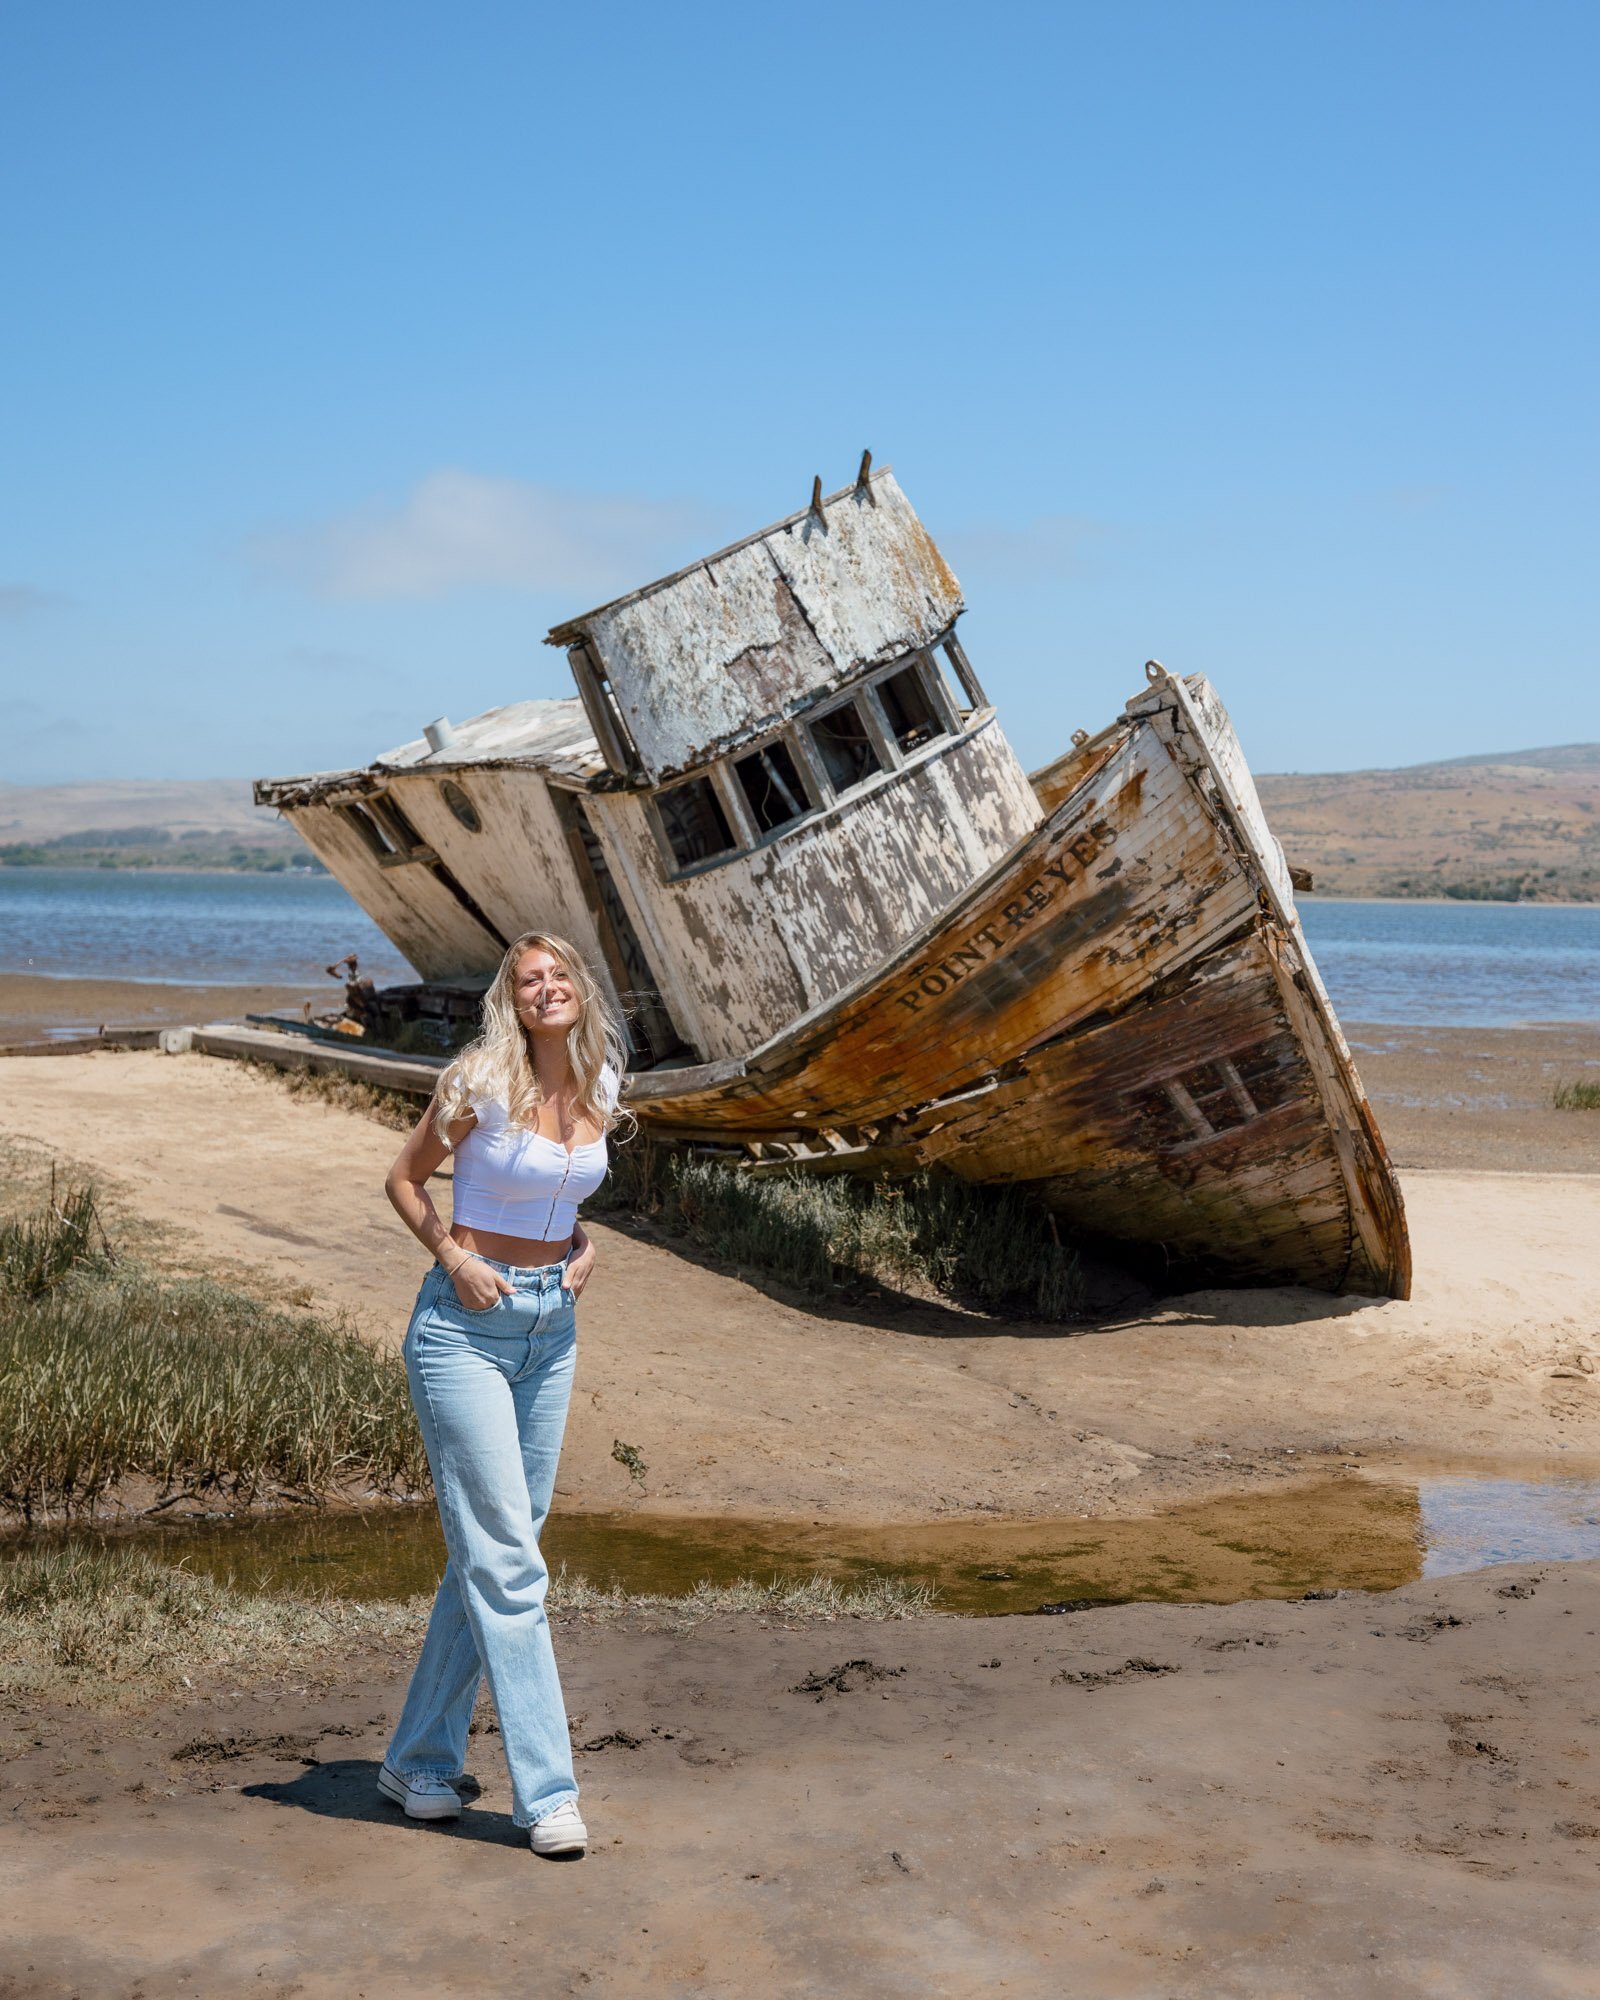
x=848 y=931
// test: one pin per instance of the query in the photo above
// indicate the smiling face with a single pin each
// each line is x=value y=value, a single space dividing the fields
x=544 y=993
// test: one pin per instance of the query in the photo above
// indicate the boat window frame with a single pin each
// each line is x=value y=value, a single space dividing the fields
x=465 y=813
x=795 y=735
x=375 y=842
x=786 y=739
x=384 y=828
x=863 y=698
x=962 y=668
x=733 y=812
x=926 y=675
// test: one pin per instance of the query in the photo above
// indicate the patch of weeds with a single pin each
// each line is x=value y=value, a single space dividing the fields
x=1576 y=1097
x=65 y=1232
x=628 y=1456
x=109 y=1370
x=103 y=1625
x=996 y=1248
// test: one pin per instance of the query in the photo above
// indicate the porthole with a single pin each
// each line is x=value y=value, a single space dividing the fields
x=458 y=802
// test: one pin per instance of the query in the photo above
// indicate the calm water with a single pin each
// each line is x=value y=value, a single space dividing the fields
x=222 y=930
x=1471 y=1523
x=1475 y=965
x=1432 y=964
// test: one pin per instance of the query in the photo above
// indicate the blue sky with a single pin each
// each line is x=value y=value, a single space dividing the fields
x=348 y=347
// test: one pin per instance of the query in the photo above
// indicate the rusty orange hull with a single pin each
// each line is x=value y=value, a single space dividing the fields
x=1123 y=1014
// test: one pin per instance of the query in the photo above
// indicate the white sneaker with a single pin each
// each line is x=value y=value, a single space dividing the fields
x=423 y=1797
x=559 y=1832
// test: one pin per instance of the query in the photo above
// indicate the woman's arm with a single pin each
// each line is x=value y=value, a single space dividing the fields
x=422 y=1155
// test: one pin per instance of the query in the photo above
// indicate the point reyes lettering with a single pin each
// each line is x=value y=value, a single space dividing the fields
x=1068 y=867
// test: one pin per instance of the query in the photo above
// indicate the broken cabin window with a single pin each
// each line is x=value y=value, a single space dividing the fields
x=693 y=820
x=912 y=716
x=373 y=837
x=458 y=802
x=772 y=786
x=847 y=751
x=402 y=835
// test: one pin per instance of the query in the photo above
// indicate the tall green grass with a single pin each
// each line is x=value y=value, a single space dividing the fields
x=1577 y=1096
x=989 y=1247
x=38 y=1250
x=110 y=1371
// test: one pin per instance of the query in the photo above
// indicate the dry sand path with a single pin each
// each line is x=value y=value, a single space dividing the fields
x=742 y=1404
x=1391 y=1798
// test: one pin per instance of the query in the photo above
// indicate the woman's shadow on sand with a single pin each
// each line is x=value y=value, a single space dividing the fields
x=346 y=1788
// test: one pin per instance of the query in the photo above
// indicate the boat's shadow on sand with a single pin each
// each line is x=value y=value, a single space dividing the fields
x=1119 y=1301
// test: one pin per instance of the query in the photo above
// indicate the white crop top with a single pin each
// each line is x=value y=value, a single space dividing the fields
x=514 y=1180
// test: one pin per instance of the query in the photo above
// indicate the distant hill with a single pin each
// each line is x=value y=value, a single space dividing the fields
x=1563 y=757
x=1509 y=826
x=182 y=823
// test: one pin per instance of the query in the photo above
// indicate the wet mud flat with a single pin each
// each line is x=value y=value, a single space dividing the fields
x=1358 y=1795
x=1474 y=1098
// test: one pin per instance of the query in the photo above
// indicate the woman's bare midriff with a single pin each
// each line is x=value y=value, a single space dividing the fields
x=508 y=1249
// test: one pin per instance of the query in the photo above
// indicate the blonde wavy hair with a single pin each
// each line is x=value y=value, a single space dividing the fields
x=497 y=1066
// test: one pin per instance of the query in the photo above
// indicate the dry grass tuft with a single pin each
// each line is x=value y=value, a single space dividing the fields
x=108 y=1627
x=103 y=1627
x=1576 y=1096
x=394 y=1108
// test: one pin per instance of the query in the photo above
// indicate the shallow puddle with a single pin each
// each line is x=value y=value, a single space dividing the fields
x=1338 y=1533
x=1348 y=1533
x=1471 y=1523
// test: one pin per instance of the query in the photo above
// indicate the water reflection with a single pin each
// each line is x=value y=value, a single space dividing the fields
x=1341 y=1533
x=1471 y=1523
x=1347 y=1533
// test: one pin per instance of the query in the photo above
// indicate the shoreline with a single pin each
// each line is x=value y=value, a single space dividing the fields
x=1304 y=896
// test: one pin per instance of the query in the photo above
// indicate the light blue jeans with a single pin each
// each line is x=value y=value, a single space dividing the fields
x=491 y=1390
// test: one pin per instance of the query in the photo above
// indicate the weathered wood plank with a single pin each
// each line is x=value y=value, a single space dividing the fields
x=415 y=1075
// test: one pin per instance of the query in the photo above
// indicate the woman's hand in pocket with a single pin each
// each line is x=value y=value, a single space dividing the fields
x=478 y=1286
x=580 y=1261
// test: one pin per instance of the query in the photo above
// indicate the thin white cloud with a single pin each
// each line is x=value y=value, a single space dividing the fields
x=1051 y=545
x=21 y=600
x=458 y=530
x=27 y=727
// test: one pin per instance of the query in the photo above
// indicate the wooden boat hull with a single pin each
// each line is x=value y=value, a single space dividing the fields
x=1122 y=1014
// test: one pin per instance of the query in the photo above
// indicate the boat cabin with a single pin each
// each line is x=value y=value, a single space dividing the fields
x=778 y=768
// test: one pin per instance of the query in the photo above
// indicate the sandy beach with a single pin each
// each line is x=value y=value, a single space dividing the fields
x=1382 y=1793
x=745 y=1403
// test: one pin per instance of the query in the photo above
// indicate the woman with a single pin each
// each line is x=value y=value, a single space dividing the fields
x=489 y=1355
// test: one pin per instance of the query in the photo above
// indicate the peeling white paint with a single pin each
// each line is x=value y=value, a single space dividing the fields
x=741 y=640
